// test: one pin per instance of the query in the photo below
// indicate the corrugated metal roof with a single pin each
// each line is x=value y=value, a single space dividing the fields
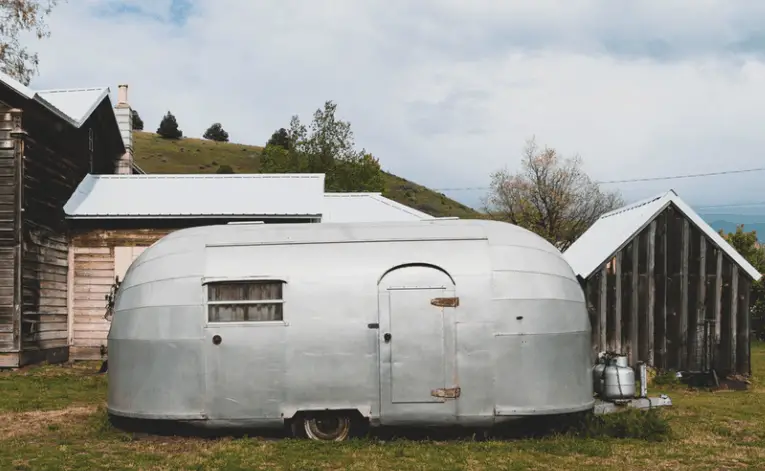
x=163 y=196
x=615 y=229
x=72 y=105
x=78 y=103
x=367 y=207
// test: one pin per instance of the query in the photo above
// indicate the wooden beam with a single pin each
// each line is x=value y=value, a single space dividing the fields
x=634 y=326
x=649 y=353
x=18 y=135
x=682 y=346
x=603 y=309
x=701 y=303
x=733 y=314
x=617 y=346
x=746 y=355
x=70 y=296
x=718 y=298
x=662 y=321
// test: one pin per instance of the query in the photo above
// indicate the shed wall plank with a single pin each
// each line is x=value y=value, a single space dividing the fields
x=682 y=344
x=734 y=302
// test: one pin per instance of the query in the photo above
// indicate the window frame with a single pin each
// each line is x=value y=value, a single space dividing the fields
x=207 y=281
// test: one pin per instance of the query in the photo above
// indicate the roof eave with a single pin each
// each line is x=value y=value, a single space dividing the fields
x=191 y=216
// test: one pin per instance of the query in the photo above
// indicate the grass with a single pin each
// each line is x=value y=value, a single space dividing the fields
x=188 y=155
x=52 y=417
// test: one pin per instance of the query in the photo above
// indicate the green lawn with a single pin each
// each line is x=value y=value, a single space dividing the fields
x=52 y=418
x=188 y=155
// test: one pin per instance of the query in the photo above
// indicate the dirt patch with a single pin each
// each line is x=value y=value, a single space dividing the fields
x=17 y=424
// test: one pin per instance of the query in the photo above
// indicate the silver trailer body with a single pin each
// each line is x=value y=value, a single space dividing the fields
x=426 y=323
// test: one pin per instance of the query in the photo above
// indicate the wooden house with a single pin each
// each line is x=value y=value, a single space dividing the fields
x=49 y=141
x=666 y=289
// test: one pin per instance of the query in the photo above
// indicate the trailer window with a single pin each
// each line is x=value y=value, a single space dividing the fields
x=245 y=301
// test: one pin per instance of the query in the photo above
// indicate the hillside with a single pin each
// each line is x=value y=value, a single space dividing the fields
x=156 y=155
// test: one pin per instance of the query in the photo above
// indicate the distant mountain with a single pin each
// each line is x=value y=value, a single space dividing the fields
x=729 y=222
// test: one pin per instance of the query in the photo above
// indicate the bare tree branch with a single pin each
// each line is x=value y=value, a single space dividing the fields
x=16 y=17
x=550 y=196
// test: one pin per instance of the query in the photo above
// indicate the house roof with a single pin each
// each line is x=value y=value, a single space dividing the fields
x=367 y=207
x=72 y=105
x=197 y=196
x=615 y=229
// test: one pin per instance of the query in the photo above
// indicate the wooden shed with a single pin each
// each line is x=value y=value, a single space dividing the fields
x=664 y=288
x=49 y=140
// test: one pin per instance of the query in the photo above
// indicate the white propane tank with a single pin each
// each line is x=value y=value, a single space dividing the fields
x=619 y=380
x=597 y=375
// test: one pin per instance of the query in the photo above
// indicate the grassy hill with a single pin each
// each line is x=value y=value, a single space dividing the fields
x=156 y=155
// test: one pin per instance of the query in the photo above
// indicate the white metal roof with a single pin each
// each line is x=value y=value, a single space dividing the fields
x=77 y=103
x=163 y=196
x=72 y=105
x=367 y=207
x=615 y=229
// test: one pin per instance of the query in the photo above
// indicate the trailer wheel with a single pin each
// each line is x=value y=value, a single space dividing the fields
x=324 y=427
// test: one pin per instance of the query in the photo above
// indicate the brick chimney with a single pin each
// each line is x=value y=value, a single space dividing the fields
x=125 y=121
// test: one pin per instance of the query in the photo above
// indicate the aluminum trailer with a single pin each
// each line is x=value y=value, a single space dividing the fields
x=327 y=326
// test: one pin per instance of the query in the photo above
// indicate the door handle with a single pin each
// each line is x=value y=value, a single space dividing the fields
x=216 y=339
x=386 y=337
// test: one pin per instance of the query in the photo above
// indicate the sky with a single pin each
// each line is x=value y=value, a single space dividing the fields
x=445 y=92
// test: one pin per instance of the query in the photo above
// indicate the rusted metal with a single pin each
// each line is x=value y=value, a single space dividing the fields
x=446 y=393
x=109 y=237
x=445 y=302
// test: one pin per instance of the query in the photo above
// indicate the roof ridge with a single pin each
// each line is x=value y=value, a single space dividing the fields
x=637 y=204
x=68 y=90
x=212 y=176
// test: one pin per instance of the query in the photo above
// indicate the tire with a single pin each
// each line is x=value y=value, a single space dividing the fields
x=325 y=427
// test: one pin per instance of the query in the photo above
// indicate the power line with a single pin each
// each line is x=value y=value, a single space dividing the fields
x=633 y=180
x=732 y=205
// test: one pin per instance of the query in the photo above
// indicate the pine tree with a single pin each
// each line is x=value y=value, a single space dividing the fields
x=280 y=138
x=216 y=133
x=136 y=120
x=168 y=127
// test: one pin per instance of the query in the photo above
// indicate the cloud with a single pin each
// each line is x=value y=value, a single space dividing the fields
x=446 y=91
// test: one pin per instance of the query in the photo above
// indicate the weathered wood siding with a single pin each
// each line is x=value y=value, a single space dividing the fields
x=672 y=299
x=49 y=180
x=94 y=275
x=8 y=318
x=50 y=158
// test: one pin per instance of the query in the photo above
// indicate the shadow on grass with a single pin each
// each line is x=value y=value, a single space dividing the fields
x=647 y=425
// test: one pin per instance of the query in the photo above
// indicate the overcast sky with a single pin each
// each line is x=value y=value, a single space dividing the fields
x=444 y=92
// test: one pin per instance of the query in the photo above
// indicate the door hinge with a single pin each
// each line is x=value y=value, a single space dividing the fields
x=445 y=302
x=448 y=393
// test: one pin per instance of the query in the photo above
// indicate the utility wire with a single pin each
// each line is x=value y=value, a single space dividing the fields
x=632 y=180
x=732 y=205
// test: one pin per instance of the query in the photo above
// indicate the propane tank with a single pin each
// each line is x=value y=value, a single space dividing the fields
x=597 y=375
x=619 y=379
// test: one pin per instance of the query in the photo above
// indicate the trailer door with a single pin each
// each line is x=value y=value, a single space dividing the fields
x=417 y=345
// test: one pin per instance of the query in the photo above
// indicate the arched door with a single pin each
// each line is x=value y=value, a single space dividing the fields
x=417 y=345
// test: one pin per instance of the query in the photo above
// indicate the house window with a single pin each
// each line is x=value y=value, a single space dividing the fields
x=245 y=301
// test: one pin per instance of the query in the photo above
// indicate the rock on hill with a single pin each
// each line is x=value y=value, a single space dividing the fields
x=156 y=155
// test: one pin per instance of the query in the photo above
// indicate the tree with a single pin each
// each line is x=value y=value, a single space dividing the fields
x=280 y=138
x=326 y=147
x=747 y=245
x=550 y=196
x=16 y=17
x=216 y=133
x=168 y=127
x=225 y=169
x=136 y=120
